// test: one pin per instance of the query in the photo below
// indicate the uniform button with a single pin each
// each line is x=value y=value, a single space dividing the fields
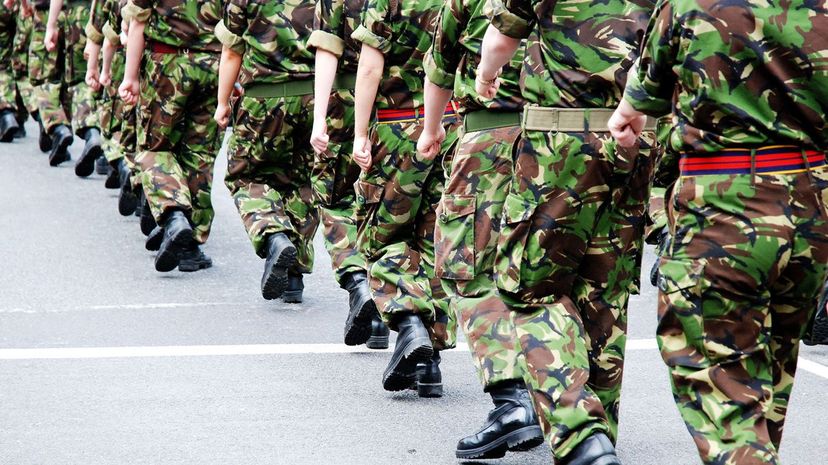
x=662 y=283
x=443 y=218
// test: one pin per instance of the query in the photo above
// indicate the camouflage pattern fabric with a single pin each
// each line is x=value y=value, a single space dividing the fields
x=452 y=60
x=180 y=23
x=398 y=198
x=178 y=139
x=8 y=91
x=268 y=173
x=20 y=63
x=733 y=307
x=333 y=176
x=780 y=101
x=334 y=171
x=46 y=74
x=582 y=56
x=85 y=100
x=403 y=35
x=468 y=226
x=271 y=37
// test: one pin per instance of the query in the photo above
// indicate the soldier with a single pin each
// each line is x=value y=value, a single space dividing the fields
x=178 y=140
x=65 y=30
x=20 y=65
x=470 y=213
x=749 y=228
x=334 y=171
x=269 y=156
x=569 y=250
x=12 y=113
x=398 y=192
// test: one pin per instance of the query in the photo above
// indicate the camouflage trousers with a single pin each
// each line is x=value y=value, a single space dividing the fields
x=85 y=100
x=113 y=114
x=268 y=172
x=398 y=198
x=20 y=65
x=334 y=174
x=468 y=226
x=10 y=99
x=737 y=289
x=569 y=255
x=178 y=139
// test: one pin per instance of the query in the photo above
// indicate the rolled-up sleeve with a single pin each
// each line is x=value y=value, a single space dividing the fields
x=513 y=18
x=446 y=52
x=230 y=30
x=139 y=10
x=375 y=26
x=327 y=27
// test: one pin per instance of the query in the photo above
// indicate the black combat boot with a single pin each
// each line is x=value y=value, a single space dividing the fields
x=154 y=239
x=281 y=256
x=20 y=133
x=8 y=126
x=361 y=308
x=413 y=347
x=102 y=169
x=178 y=237
x=511 y=425
x=817 y=332
x=193 y=259
x=91 y=151
x=594 y=450
x=43 y=140
x=139 y=192
x=127 y=198
x=61 y=140
x=295 y=287
x=113 y=173
x=429 y=377
x=379 y=333
x=147 y=220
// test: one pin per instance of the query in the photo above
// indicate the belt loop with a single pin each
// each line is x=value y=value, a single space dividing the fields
x=753 y=167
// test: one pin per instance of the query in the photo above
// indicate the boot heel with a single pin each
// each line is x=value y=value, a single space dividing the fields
x=377 y=342
x=429 y=390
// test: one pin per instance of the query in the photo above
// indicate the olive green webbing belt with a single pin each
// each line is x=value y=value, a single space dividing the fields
x=571 y=119
x=483 y=120
x=295 y=88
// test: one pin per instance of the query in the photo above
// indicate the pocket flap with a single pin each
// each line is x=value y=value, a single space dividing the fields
x=456 y=206
x=517 y=208
x=367 y=193
x=679 y=275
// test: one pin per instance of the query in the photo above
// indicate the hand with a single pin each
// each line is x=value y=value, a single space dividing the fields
x=129 y=90
x=51 y=38
x=626 y=125
x=429 y=144
x=106 y=78
x=319 y=135
x=222 y=115
x=362 y=152
x=8 y=4
x=92 y=79
x=487 y=88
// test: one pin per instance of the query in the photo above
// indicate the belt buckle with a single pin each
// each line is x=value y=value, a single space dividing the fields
x=184 y=50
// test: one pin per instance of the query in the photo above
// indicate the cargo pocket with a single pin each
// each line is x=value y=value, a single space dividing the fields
x=511 y=245
x=368 y=200
x=323 y=176
x=680 y=314
x=454 y=238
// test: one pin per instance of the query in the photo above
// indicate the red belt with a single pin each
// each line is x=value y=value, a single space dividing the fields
x=159 y=47
x=765 y=160
x=412 y=114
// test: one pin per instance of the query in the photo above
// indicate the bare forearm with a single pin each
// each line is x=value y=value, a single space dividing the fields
x=229 y=68
x=54 y=11
x=326 y=65
x=436 y=99
x=94 y=53
x=135 y=49
x=107 y=56
x=369 y=74
x=496 y=52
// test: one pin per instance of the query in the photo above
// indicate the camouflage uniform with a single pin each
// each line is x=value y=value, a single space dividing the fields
x=178 y=140
x=10 y=95
x=747 y=216
x=20 y=62
x=269 y=156
x=46 y=72
x=335 y=172
x=84 y=99
x=569 y=250
x=478 y=178
x=399 y=193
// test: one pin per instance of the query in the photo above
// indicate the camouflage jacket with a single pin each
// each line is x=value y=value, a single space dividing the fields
x=272 y=37
x=97 y=19
x=333 y=25
x=401 y=30
x=179 y=23
x=452 y=60
x=585 y=47
x=750 y=74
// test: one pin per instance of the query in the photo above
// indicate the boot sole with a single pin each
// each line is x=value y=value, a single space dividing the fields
x=520 y=440
x=61 y=153
x=292 y=297
x=276 y=282
x=402 y=373
x=429 y=390
x=9 y=133
x=358 y=325
x=377 y=342
x=168 y=257
x=190 y=267
x=86 y=164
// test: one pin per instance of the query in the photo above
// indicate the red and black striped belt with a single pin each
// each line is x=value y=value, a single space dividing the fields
x=407 y=115
x=160 y=47
x=763 y=160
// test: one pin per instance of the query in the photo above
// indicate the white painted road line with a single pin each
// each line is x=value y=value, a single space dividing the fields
x=151 y=306
x=813 y=367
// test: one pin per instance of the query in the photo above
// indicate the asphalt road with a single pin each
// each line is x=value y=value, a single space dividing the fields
x=139 y=367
